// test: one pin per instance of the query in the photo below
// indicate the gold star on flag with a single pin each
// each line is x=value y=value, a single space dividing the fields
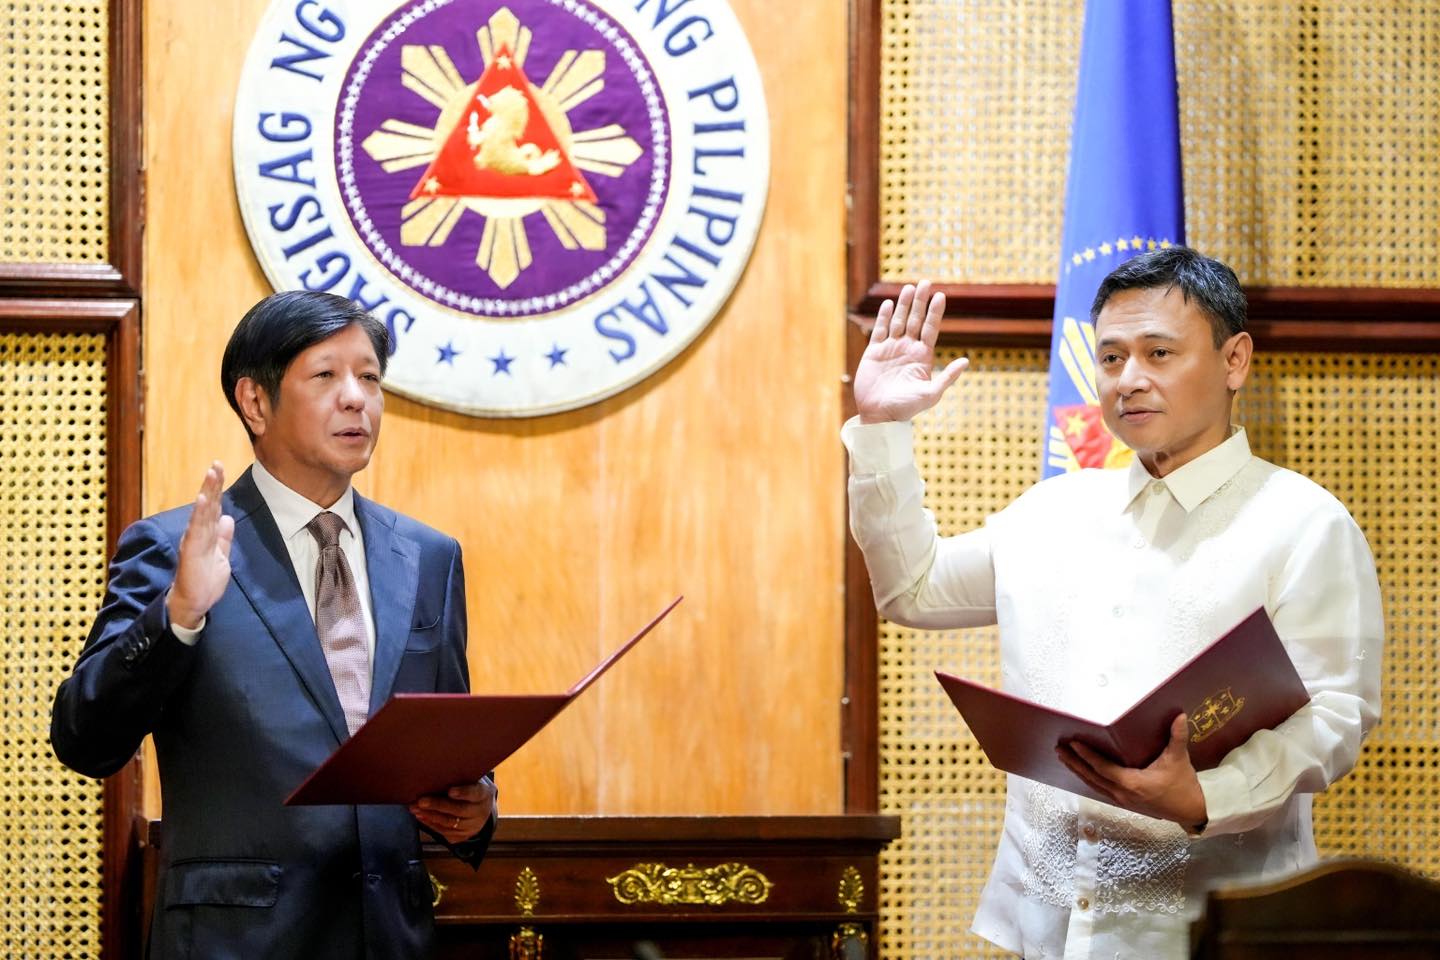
x=576 y=189
x=432 y=185
x=1150 y=244
x=1165 y=244
x=1122 y=244
x=1075 y=425
x=1136 y=242
x=1106 y=249
x=503 y=62
x=1089 y=253
x=1077 y=259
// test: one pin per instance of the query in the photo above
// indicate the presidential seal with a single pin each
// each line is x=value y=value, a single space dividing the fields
x=544 y=200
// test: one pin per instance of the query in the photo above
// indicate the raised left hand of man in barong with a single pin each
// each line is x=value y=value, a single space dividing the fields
x=1168 y=789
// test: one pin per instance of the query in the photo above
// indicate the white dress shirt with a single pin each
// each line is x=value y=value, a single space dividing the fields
x=292 y=512
x=1103 y=583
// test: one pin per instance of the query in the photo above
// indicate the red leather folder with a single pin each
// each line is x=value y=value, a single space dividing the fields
x=423 y=743
x=1241 y=683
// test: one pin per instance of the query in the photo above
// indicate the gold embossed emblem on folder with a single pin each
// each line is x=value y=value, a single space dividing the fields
x=1217 y=710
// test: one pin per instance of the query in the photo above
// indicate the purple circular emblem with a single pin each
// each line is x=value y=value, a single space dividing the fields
x=504 y=158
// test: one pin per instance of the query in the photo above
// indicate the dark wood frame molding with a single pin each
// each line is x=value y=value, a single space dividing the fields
x=860 y=703
x=105 y=298
x=119 y=321
x=121 y=276
x=1351 y=319
x=1339 y=319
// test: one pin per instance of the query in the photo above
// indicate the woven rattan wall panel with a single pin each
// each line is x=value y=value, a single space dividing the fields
x=54 y=108
x=52 y=546
x=1308 y=135
x=1365 y=427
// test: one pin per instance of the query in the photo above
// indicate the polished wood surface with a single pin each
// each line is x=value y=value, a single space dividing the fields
x=803 y=857
x=715 y=478
x=574 y=873
x=1336 y=909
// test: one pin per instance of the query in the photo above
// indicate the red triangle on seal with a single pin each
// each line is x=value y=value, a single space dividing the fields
x=502 y=145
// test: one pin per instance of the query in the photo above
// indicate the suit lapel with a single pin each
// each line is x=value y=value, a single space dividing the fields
x=392 y=562
x=260 y=565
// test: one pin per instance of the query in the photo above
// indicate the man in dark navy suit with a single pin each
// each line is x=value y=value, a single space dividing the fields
x=252 y=632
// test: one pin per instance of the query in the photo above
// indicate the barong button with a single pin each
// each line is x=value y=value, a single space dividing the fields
x=1089 y=831
x=1101 y=680
x=1118 y=611
x=1083 y=903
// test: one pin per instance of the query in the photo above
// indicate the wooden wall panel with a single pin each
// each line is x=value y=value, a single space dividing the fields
x=718 y=477
x=523 y=499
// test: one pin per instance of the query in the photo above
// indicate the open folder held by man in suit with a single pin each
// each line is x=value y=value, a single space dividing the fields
x=1103 y=582
x=252 y=632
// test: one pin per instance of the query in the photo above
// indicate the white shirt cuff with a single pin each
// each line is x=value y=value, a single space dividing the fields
x=1227 y=798
x=186 y=635
x=878 y=447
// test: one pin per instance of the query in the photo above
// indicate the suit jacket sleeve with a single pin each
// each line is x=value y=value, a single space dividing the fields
x=130 y=664
x=454 y=677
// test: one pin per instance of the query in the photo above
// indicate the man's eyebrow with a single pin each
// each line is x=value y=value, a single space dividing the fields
x=1144 y=335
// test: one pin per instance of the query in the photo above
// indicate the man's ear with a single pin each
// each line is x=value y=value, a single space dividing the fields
x=1237 y=351
x=254 y=403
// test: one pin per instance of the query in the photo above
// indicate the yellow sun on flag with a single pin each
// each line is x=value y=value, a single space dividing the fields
x=1074 y=446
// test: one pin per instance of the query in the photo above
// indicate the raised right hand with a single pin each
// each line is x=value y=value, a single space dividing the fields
x=896 y=377
x=204 y=567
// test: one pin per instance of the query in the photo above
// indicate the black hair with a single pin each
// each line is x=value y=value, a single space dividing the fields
x=1211 y=284
x=277 y=329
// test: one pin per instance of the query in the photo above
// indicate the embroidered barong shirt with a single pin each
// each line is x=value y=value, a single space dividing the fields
x=1102 y=584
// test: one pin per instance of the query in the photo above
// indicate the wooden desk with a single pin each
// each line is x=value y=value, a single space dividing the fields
x=697 y=888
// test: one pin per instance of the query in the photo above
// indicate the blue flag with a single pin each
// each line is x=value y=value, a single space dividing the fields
x=1124 y=196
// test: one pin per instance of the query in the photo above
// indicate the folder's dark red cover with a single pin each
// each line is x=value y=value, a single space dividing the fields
x=1241 y=683
x=422 y=743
